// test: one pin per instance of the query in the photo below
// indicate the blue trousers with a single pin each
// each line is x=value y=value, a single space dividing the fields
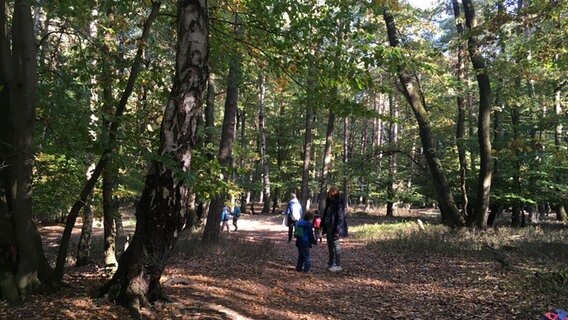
x=304 y=260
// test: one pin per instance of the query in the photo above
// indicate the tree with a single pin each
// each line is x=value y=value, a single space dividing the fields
x=460 y=102
x=484 y=118
x=105 y=157
x=211 y=232
x=160 y=211
x=263 y=146
x=448 y=207
x=24 y=266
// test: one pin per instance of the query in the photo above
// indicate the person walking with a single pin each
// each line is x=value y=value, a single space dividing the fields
x=294 y=214
x=334 y=227
x=225 y=217
x=304 y=239
x=236 y=215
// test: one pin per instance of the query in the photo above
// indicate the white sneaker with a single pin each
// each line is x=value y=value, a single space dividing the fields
x=335 y=268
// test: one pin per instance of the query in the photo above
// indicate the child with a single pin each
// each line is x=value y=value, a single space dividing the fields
x=304 y=239
x=236 y=215
x=225 y=217
x=317 y=226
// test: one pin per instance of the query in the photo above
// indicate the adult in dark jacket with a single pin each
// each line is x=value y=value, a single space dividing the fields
x=335 y=227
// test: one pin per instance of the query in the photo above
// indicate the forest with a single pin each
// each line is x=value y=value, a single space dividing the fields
x=126 y=127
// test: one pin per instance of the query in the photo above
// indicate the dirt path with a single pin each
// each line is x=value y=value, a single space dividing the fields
x=252 y=276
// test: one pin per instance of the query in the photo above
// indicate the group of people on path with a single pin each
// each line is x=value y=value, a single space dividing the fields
x=308 y=227
x=227 y=215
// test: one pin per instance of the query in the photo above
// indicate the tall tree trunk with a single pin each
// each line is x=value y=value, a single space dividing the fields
x=326 y=163
x=393 y=139
x=244 y=195
x=18 y=78
x=460 y=101
x=263 y=147
x=109 y=214
x=109 y=172
x=558 y=134
x=448 y=208
x=346 y=142
x=89 y=185
x=307 y=155
x=211 y=232
x=84 y=246
x=159 y=214
x=484 y=119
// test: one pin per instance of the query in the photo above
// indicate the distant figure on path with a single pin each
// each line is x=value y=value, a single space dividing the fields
x=334 y=227
x=317 y=226
x=304 y=239
x=236 y=215
x=225 y=217
x=294 y=214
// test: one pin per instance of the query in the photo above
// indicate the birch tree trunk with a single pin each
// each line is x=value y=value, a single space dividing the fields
x=304 y=190
x=159 y=214
x=393 y=139
x=346 y=141
x=326 y=160
x=263 y=147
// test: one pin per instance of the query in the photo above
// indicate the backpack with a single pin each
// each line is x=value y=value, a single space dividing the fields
x=317 y=222
x=299 y=232
x=237 y=212
x=225 y=215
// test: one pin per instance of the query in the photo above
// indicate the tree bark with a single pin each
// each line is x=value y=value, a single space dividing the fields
x=484 y=119
x=558 y=134
x=159 y=214
x=211 y=232
x=18 y=78
x=460 y=101
x=326 y=164
x=89 y=185
x=263 y=147
x=307 y=155
x=448 y=208
x=346 y=142
x=84 y=246
x=393 y=139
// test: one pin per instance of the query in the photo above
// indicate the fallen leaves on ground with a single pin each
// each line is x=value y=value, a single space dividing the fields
x=254 y=278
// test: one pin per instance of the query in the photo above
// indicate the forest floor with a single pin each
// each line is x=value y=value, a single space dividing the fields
x=251 y=275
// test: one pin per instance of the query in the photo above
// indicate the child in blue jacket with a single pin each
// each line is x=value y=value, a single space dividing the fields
x=304 y=239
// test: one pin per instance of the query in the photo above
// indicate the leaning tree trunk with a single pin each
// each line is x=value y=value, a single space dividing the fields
x=445 y=197
x=484 y=119
x=159 y=214
x=211 y=232
x=89 y=185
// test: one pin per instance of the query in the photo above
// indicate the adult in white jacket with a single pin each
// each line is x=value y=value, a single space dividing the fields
x=294 y=214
